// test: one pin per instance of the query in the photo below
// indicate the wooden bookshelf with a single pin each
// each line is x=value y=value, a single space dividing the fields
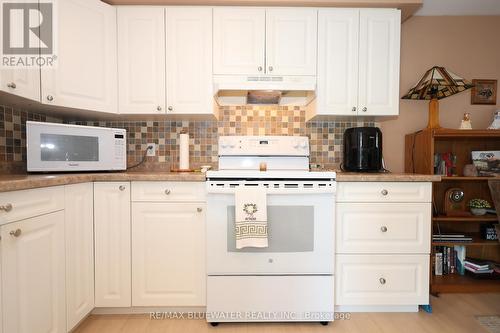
x=455 y=283
x=420 y=148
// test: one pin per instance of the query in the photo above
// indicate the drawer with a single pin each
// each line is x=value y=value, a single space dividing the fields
x=168 y=191
x=28 y=203
x=381 y=279
x=383 y=228
x=384 y=192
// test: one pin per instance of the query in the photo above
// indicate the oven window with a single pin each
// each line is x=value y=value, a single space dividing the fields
x=290 y=229
x=58 y=147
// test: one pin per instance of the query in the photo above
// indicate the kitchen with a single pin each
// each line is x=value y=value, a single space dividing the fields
x=195 y=106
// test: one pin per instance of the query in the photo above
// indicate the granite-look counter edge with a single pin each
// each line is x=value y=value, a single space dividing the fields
x=22 y=182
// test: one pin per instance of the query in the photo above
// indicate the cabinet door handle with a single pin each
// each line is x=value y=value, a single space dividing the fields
x=15 y=233
x=384 y=192
x=199 y=209
x=271 y=68
x=383 y=228
x=170 y=108
x=121 y=188
x=364 y=109
x=382 y=281
x=6 y=208
x=50 y=98
x=167 y=191
x=158 y=108
x=12 y=85
x=354 y=109
x=259 y=68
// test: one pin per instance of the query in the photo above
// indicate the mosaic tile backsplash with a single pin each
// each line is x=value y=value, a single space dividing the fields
x=325 y=135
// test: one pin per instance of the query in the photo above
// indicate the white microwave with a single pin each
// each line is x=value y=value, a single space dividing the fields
x=62 y=147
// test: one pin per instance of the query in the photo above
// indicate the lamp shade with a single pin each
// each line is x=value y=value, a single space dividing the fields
x=438 y=83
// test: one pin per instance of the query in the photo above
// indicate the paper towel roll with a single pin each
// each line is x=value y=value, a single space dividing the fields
x=184 y=151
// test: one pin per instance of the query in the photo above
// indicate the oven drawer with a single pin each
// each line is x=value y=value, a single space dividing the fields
x=28 y=203
x=384 y=192
x=156 y=191
x=270 y=298
x=383 y=228
x=382 y=279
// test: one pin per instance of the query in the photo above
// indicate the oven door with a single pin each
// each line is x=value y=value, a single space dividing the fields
x=300 y=235
x=58 y=147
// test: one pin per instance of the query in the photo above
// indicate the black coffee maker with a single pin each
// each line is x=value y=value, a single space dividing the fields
x=362 y=149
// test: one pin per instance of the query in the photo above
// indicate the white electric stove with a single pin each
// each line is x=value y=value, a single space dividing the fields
x=292 y=279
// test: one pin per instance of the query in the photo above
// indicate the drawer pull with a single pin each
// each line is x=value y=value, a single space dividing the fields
x=121 y=188
x=167 y=192
x=6 y=208
x=199 y=209
x=15 y=233
x=383 y=228
x=382 y=280
x=384 y=192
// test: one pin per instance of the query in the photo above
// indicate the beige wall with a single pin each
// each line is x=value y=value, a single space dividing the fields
x=468 y=46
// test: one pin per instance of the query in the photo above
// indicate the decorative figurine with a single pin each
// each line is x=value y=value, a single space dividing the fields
x=496 y=120
x=465 y=124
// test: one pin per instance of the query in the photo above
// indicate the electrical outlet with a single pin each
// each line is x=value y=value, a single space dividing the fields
x=151 y=147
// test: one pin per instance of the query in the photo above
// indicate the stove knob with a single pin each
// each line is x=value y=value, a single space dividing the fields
x=223 y=144
x=304 y=145
x=296 y=144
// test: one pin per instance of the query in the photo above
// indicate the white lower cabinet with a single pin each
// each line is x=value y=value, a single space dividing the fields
x=79 y=223
x=382 y=245
x=112 y=244
x=33 y=275
x=382 y=279
x=168 y=254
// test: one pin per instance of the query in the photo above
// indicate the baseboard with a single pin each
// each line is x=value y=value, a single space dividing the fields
x=376 y=308
x=159 y=310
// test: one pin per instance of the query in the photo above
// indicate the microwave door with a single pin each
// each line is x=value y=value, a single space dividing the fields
x=73 y=149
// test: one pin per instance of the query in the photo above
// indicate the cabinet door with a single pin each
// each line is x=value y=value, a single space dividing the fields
x=33 y=286
x=79 y=223
x=291 y=41
x=239 y=40
x=112 y=244
x=141 y=64
x=189 y=60
x=24 y=82
x=86 y=75
x=338 y=32
x=168 y=254
x=379 y=49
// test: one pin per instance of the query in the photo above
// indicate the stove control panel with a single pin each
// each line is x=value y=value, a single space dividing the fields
x=263 y=146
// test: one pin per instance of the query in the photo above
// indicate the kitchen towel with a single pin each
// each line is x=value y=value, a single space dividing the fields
x=251 y=217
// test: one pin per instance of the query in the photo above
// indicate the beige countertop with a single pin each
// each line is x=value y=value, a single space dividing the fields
x=27 y=181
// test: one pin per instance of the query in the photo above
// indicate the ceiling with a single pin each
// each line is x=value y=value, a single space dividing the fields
x=459 y=7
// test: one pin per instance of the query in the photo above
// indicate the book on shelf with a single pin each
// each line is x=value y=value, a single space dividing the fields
x=447 y=238
x=479 y=266
x=449 y=260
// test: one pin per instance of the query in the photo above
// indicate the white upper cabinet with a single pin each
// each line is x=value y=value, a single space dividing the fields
x=141 y=59
x=338 y=37
x=291 y=41
x=379 y=51
x=85 y=76
x=358 y=62
x=189 y=60
x=239 y=40
x=24 y=82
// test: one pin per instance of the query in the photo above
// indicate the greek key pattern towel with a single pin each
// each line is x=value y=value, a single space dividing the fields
x=251 y=217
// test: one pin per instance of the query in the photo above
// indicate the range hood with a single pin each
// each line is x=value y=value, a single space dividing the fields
x=265 y=89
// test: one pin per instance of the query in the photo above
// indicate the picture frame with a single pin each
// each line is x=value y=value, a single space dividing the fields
x=484 y=92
